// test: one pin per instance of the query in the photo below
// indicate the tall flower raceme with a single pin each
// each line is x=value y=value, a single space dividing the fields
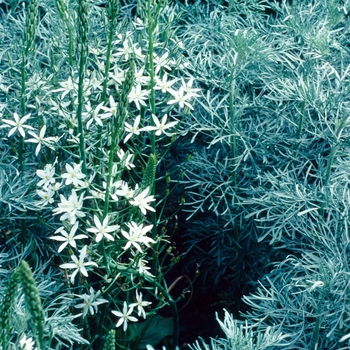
x=96 y=130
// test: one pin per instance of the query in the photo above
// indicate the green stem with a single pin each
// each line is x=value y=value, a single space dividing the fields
x=105 y=82
x=108 y=58
x=23 y=109
x=23 y=85
x=80 y=112
x=115 y=141
x=174 y=312
x=152 y=23
x=41 y=337
x=316 y=336
x=70 y=46
x=21 y=140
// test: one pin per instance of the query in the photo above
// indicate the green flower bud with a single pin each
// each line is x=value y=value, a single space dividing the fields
x=6 y=308
x=150 y=172
x=30 y=28
x=110 y=341
x=32 y=298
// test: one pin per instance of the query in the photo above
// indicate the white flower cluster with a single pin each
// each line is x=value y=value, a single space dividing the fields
x=94 y=192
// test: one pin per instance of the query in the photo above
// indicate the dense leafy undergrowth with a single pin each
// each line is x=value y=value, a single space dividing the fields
x=162 y=160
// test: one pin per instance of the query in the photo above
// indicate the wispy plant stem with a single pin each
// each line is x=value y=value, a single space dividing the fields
x=79 y=114
x=23 y=108
x=113 y=9
x=152 y=24
x=83 y=29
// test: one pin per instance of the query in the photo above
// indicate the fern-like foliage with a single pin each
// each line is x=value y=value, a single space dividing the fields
x=271 y=159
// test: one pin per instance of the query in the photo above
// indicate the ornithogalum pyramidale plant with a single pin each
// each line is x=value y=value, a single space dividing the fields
x=91 y=116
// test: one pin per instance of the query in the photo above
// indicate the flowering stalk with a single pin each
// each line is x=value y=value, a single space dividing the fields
x=33 y=301
x=6 y=308
x=29 y=35
x=31 y=25
x=118 y=123
x=63 y=11
x=113 y=10
x=83 y=28
x=152 y=24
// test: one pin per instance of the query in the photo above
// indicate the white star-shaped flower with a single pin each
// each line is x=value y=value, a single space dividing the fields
x=189 y=89
x=126 y=159
x=46 y=175
x=160 y=127
x=74 y=175
x=132 y=130
x=41 y=140
x=138 y=96
x=78 y=265
x=162 y=62
x=18 y=124
x=91 y=302
x=142 y=201
x=70 y=208
x=140 y=304
x=111 y=110
x=26 y=343
x=46 y=196
x=102 y=230
x=180 y=98
x=68 y=238
x=67 y=87
x=126 y=50
x=124 y=191
x=124 y=316
x=163 y=84
x=136 y=235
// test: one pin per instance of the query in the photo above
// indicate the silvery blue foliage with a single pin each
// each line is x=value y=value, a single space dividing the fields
x=239 y=335
x=270 y=161
x=15 y=191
